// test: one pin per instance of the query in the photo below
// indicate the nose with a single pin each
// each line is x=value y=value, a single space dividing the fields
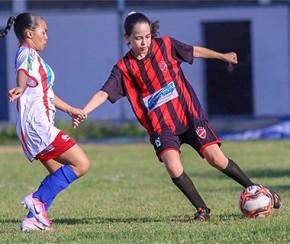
x=143 y=41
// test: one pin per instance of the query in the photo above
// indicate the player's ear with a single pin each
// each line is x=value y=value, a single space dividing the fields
x=126 y=37
x=28 y=34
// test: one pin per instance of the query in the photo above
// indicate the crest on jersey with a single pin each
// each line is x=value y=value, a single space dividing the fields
x=201 y=132
x=163 y=66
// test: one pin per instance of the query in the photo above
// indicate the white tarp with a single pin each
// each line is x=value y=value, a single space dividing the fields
x=278 y=131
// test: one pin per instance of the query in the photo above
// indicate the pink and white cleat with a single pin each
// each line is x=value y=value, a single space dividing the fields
x=36 y=206
x=32 y=224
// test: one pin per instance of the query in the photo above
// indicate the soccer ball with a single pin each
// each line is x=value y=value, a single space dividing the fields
x=256 y=201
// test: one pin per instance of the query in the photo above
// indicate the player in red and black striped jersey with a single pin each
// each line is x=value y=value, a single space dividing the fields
x=164 y=102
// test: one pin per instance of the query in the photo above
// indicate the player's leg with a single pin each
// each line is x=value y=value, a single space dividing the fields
x=203 y=139
x=76 y=158
x=216 y=158
x=66 y=163
x=173 y=165
x=75 y=164
x=167 y=146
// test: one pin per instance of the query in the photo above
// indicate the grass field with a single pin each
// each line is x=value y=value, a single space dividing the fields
x=127 y=197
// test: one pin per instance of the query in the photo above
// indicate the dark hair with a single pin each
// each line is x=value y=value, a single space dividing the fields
x=21 y=22
x=8 y=26
x=134 y=18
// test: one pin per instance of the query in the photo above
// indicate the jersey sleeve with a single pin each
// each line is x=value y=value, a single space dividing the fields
x=114 y=85
x=24 y=61
x=182 y=51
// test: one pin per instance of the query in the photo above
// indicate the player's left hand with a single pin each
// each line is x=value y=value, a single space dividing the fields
x=231 y=58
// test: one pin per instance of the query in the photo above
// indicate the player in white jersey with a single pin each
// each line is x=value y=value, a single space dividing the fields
x=36 y=105
x=35 y=125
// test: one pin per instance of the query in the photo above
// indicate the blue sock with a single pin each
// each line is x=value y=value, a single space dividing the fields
x=54 y=184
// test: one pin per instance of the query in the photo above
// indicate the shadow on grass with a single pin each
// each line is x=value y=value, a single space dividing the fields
x=110 y=220
x=130 y=220
x=251 y=173
x=268 y=173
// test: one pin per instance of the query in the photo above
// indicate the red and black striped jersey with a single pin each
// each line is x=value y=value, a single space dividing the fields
x=159 y=93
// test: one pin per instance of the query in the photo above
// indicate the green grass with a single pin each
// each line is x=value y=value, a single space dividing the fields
x=127 y=197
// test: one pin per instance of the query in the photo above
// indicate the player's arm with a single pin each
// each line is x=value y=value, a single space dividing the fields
x=202 y=52
x=98 y=99
x=65 y=107
x=17 y=91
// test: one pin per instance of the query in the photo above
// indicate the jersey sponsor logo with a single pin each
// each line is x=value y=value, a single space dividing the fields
x=160 y=97
x=201 y=132
x=163 y=66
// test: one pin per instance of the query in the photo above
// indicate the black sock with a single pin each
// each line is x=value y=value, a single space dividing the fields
x=234 y=171
x=184 y=183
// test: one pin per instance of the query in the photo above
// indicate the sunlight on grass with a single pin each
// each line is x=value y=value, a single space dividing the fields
x=127 y=197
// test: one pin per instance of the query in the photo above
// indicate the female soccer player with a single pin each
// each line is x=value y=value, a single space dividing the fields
x=164 y=102
x=36 y=105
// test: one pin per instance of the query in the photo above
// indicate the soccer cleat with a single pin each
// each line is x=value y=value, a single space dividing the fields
x=277 y=202
x=35 y=206
x=31 y=224
x=202 y=214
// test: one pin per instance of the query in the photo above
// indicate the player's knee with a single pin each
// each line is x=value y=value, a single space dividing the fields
x=217 y=161
x=83 y=167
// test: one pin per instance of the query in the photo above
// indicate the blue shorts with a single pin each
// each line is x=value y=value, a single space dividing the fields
x=199 y=136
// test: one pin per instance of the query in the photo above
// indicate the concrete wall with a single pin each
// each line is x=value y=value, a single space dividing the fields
x=84 y=46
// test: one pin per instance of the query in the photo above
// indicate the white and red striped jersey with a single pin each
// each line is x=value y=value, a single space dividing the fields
x=35 y=108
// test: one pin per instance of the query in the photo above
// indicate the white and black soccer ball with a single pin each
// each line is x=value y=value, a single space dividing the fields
x=256 y=201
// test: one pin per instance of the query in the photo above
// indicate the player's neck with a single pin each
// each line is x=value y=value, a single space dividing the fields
x=139 y=56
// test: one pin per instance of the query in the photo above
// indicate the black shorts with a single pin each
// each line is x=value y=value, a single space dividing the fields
x=199 y=136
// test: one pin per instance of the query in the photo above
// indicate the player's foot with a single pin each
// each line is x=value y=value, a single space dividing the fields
x=30 y=224
x=36 y=207
x=202 y=214
x=277 y=202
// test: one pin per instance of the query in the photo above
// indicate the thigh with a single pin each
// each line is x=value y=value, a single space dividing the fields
x=51 y=165
x=172 y=163
x=215 y=156
x=200 y=136
x=164 y=141
x=75 y=157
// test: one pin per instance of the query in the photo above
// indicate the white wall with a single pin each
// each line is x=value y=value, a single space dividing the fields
x=83 y=47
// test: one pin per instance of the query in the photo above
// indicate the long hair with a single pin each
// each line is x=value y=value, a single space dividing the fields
x=21 y=23
x=8 y=26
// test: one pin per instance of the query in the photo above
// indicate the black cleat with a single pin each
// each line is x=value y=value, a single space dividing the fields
x=202 y=214
x=277 y=202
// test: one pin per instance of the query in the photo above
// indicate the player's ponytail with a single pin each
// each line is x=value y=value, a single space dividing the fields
x=10 y=22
